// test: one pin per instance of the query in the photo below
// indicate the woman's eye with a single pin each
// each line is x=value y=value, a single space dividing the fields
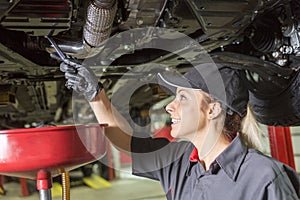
x=182 y=97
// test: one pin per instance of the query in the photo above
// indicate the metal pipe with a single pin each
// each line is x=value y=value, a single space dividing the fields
x=99 y=20
x=45 y=194
x=65 y=186
x=104 y=3
x=44 y=184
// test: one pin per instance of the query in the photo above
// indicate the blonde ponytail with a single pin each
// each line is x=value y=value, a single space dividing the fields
x=251 y=134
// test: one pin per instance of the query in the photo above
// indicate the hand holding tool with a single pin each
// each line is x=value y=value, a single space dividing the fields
x=80 y=78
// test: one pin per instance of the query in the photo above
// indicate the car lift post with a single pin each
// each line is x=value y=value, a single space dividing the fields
x=281 y=145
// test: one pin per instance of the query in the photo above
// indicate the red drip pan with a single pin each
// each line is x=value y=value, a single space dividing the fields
x=24 y=152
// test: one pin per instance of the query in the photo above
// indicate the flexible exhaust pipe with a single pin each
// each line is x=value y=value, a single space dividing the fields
x=100 y=17
x=99 y=21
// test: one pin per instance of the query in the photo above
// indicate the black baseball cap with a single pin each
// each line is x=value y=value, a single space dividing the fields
x=222 y=82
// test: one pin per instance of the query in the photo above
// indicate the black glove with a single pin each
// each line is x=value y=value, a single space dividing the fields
x=81 y=79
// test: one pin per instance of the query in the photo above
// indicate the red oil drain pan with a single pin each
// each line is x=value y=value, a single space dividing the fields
x=24 y=152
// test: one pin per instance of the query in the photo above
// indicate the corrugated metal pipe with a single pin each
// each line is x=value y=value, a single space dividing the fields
x=100 y=15
x=65 y=178
x=99 y=21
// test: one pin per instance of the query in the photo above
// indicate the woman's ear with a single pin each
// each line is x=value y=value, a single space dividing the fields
x=214 y=110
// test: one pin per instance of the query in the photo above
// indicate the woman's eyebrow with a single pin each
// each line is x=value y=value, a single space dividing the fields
x=187 y=90
x=179 y=90
x=182 y=90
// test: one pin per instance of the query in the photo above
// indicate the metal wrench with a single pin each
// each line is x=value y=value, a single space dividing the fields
x=57 y=49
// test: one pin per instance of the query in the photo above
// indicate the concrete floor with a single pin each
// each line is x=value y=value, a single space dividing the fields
x=124 y=188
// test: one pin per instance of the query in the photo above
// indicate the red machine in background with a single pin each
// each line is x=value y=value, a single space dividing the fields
x=43 y=153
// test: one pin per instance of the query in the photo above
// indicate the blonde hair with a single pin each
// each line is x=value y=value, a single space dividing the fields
x=250 y=133
x=248 y=128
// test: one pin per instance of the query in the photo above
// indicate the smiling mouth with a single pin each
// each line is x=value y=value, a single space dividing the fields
x=175 y=121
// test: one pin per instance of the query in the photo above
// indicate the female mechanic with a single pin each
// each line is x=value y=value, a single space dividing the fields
x=217 y=156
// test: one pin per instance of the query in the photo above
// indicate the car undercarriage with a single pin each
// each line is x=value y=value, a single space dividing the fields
x=120 y=40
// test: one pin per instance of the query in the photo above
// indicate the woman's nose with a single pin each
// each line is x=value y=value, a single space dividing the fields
x=170 y=107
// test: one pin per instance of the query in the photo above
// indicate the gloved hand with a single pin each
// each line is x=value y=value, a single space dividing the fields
x=81 y=79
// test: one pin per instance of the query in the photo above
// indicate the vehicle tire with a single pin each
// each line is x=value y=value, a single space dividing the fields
x=281 y=109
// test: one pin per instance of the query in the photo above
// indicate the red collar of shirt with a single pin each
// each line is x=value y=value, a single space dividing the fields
x=194 y=157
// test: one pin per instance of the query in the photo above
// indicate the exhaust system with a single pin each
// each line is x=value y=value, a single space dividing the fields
x=99 y=20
